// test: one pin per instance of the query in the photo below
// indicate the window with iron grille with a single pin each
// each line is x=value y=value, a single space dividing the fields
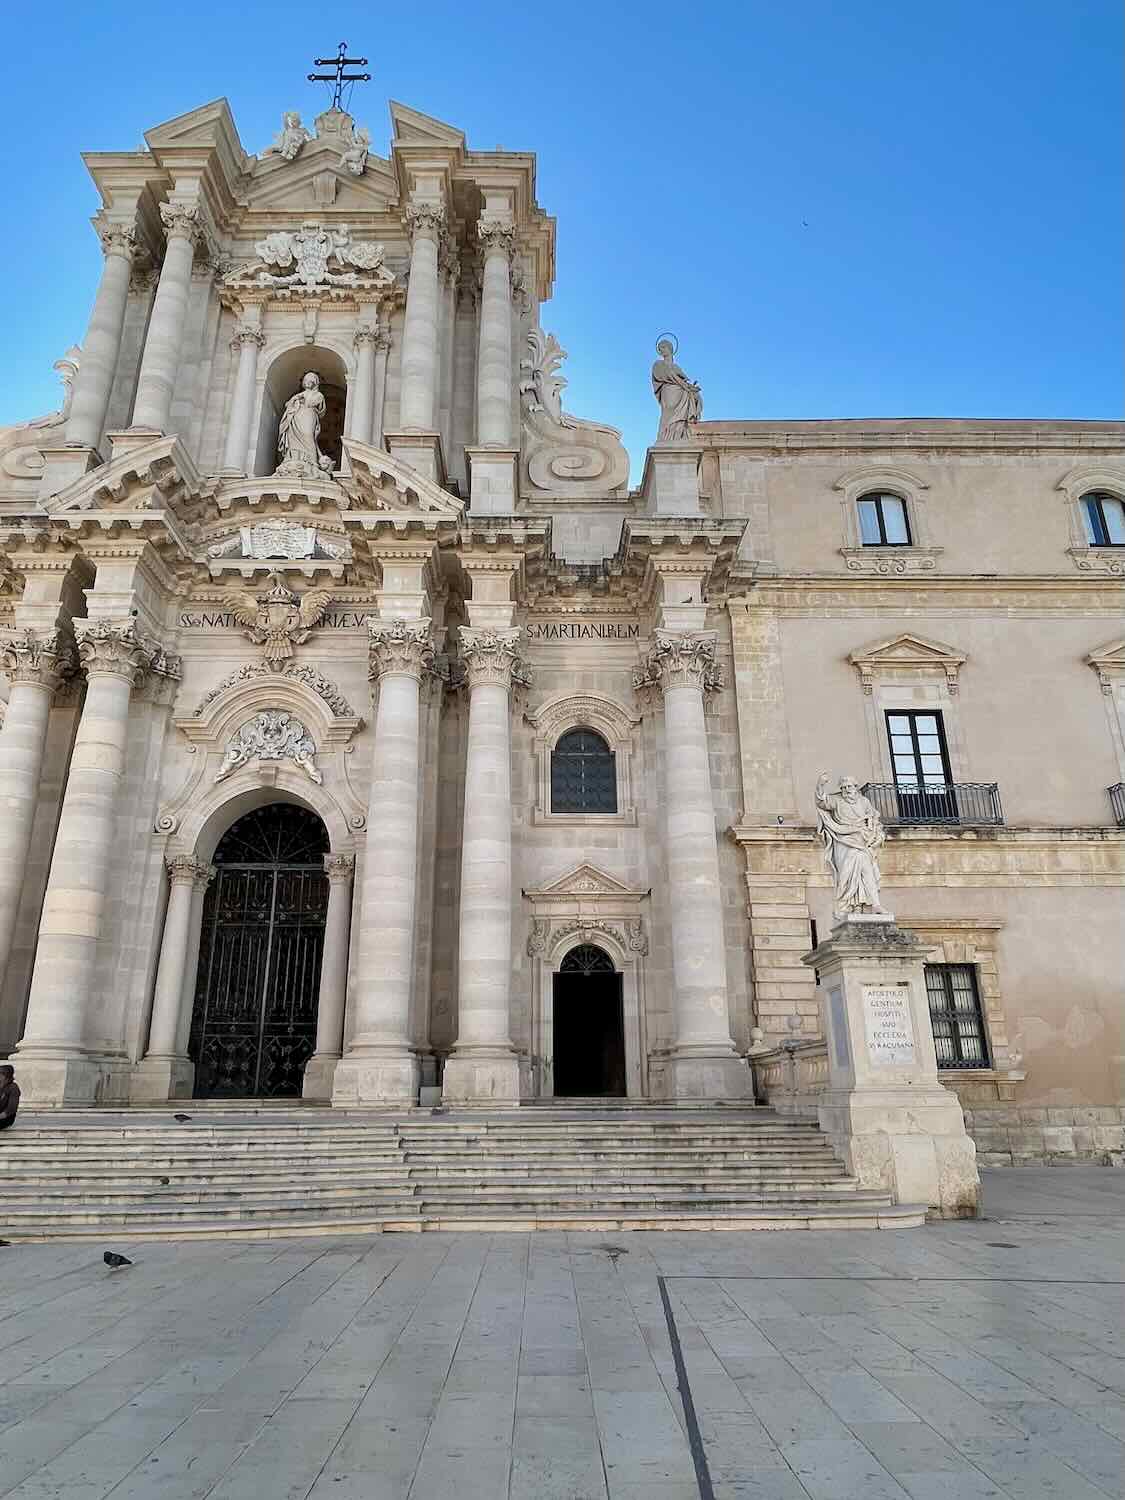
x=1104 y=518
x=955 y=1015
x=583 y=774
x=882 y=521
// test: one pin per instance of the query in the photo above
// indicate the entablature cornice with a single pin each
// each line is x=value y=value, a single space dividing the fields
x=803 y=593
x=769 y=439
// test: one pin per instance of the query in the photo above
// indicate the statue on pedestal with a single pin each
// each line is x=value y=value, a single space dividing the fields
x=297 y=435
x=681 y=401
x=850 y=828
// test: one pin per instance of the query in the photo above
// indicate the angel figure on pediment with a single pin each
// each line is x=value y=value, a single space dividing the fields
x=354 y=154
x=290 y=138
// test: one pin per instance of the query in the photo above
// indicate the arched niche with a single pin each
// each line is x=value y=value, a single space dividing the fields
x=283 y=379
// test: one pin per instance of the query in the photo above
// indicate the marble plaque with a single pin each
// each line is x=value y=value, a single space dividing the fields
x=887 y=1024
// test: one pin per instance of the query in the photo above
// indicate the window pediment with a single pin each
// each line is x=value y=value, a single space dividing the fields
x=907 y=654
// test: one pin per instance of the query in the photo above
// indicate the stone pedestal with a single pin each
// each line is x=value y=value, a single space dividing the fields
x=62 y=466
x=421 y=450
x=885 y=1110
x=492 y=480
x=670 y=484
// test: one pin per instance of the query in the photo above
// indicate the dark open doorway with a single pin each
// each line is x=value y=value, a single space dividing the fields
x=589 y=1026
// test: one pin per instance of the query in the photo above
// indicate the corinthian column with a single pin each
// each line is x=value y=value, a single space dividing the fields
x=248 y=339
x=321 y=1067
x=425 y=222
x=380 y=1067
x=163 y=343
x=54 y=1068
x=483 y=1068
x=703 y=1063
x=166 y=1072
x=363 y=396
x=102 y=343
x=382 y=349
x=494 y=359
x=33 y=663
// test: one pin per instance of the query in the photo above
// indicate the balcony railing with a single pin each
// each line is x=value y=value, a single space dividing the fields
x=962 y=804
x=1117 y=802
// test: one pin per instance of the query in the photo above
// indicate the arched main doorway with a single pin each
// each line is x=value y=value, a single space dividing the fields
x=589 y=1026
x=253 y=1025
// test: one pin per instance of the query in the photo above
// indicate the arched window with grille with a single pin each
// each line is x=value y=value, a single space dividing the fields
x=583 y=774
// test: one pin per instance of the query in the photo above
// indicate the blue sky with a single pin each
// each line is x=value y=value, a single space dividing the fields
x=864 y=209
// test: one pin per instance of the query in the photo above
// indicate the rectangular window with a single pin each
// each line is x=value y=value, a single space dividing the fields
x=1104 y=518
x=955 y=1016
x=882 y=521
x=920 y=763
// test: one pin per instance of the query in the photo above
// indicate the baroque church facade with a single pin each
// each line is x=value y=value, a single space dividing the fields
x=366 y=734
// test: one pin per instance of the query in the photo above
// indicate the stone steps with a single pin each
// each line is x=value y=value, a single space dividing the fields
x=294 y=1171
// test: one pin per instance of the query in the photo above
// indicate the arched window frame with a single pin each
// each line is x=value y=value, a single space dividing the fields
x=617 y=727
x=1088 y=556
x=919 y=555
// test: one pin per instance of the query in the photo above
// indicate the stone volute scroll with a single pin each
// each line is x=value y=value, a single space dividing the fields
x=851 y=830
x=563 y=455
x=272 y=735
x=681 y=400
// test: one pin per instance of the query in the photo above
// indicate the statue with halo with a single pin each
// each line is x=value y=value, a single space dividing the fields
x=681 y=400
x=850 y=828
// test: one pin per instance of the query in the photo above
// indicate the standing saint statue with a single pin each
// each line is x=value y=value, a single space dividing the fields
x=850 y=828
x=681 y=401
x=297 y=435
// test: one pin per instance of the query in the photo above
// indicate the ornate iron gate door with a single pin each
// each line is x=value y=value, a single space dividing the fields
x=254 y=1021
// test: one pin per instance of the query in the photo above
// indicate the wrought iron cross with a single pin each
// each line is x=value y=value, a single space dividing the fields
x=339 y=77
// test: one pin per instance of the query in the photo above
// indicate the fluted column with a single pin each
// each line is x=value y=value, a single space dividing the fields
x=363 y=395
x=483 y=1067
x=494 y=360
x=53 y=1046
x=248 y=340
x=321 y=1067
x=166 y=1072
x=382 y=349
x=420 y=333
x=164 y=341
x=380 y=1066
x=102 y=344
x=33 y=662
x=703 y=1062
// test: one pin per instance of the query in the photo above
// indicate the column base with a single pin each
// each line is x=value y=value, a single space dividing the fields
x=59 y=1082
x=421 y=450
x=482 y=1076
x=691 y=1077
x=159 y=1078
x=492 y=481
x=907 y=1142
x=320 y=1073
x=377 y=1080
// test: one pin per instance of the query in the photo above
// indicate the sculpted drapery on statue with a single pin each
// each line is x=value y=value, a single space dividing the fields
x=851 y=830
x=297 y=435
x=681 y=401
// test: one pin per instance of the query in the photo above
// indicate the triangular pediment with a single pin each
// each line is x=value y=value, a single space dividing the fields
x=1108 y=659
x=586 y=880
x=203 y=126
x=908 y=650
x=412 y=128
x=317 y=180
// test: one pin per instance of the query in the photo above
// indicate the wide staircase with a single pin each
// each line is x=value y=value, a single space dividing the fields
x=291 y=1171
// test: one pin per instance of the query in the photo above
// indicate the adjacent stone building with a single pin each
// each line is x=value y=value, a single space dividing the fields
x=366 y=732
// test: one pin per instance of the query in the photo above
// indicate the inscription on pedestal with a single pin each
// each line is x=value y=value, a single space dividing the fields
x=887 y=1024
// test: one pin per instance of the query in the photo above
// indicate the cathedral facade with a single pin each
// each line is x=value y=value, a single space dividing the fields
x=368 y=738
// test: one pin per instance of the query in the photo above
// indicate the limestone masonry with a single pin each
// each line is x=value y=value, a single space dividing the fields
x=367 y=737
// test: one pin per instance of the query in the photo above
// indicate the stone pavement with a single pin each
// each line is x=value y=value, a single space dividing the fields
x=957 y=1362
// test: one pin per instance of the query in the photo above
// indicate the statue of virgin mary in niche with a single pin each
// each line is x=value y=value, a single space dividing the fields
x=297 y=435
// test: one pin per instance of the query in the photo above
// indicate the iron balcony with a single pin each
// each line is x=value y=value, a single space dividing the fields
x=971 y=804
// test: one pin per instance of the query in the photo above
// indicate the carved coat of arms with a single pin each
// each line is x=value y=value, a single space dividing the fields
x=301 y=259
x=278 y=620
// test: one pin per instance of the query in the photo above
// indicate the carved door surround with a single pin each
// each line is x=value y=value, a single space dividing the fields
x=587 y=905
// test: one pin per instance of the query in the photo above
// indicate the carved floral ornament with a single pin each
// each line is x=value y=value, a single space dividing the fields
x=545 y=934
x=46 y=659
x=400 y=647
x=492 y=656
x=274 y=734
x=300 y=260
x=108 y=648
x=681 y=659
x=322 y=686
x=426 y=219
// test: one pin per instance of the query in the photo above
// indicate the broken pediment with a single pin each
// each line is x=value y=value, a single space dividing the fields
x=907 y=652
x=413 y=128
x=155 y=475
x=379 y=482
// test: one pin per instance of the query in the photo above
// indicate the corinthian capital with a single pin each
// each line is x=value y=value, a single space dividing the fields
x=404 y=647
x=365 y=333
x=185 y=869
x=182 y=221
x=339 y=868
x=106 y=648
x=493 y=656
x=44 y=659
x=426 y=219
x=681 y=658
x=117 y=239
x=247 y=333
x=495 y=235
